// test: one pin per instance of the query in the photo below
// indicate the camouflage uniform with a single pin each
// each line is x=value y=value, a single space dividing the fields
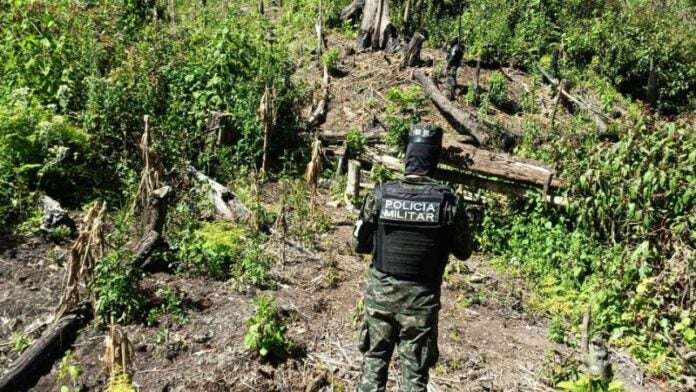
x=402 y=312
x=454 y=61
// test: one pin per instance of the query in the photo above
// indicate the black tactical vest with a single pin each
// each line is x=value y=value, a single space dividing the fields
x=412 y=239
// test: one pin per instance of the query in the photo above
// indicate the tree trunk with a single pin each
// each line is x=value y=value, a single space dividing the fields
x=375 y=27
x=38 y=359
x=557 y=100
x=477 y=80
x=407 y=15
x=464 y=118
x=502 y=184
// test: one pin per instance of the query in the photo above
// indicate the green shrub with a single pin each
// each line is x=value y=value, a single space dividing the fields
x=267 y=331
x=405 y=108
x=253 y=266
x=330 y=59
x=498 y=88
x=38 y=150
x=169 y=304
x=116 y=287
x=355 y=142
x=212 y=249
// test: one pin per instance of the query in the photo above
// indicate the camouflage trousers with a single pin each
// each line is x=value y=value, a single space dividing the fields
x=452 y=81
x=403 y=314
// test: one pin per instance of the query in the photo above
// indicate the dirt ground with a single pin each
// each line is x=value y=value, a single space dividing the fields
x=488 y=342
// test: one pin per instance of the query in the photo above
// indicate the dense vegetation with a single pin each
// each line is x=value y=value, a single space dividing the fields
x=78 y=77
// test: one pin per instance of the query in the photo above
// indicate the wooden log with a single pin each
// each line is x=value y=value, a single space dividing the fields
x=226 y=202
x=352 y=183
x=458 y=177
x=38 y=359
x=463 y=119
x=477 y=80
x=413 y=51
x=500 y=165
x=54 y=216
x=472 y=159
x=156 y=211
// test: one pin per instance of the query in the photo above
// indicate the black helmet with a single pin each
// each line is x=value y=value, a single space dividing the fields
x=423 y=151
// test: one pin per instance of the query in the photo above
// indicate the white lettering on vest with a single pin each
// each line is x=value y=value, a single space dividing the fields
x=410 y=211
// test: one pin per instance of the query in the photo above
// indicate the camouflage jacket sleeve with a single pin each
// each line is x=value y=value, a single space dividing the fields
x=466 y=218
x=365 y=227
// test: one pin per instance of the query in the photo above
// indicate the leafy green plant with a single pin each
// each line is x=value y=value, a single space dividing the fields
x=405 y=108
x=169 y=304
x=212 y=249
x=380 y=173
x=19 y=342
x=355 y=142
x=267 y=331
x=585 y=384
x=330 y=59
x=556 y=331
x=253 y=266
x=497 y=88
x=116 y=287
x=69 y=372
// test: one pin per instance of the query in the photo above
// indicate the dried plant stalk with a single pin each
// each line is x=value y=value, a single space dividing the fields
x=86 y=250
x=313 y=170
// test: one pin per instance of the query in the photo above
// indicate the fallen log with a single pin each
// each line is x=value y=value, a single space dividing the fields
x=500 y=165
x=154 y=224
x=229 y=208
x=464 y=119
x=226 y=202
x=38 y=359
x=457 y=177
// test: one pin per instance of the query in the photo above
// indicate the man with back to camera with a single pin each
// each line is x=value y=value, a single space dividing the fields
x=410 y=226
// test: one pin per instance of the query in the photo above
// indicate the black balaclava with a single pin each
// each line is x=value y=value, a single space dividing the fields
x=423 y=151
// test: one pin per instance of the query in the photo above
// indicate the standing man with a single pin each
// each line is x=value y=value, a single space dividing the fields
x=454 y=61
x=410 y=226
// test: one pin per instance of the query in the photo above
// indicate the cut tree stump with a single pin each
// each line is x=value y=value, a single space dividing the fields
x=157 y=207
x=465 y=119
x=38 y=359
x=375 y=27
x=54 y=216
x=413 y=50
x=353 y=183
